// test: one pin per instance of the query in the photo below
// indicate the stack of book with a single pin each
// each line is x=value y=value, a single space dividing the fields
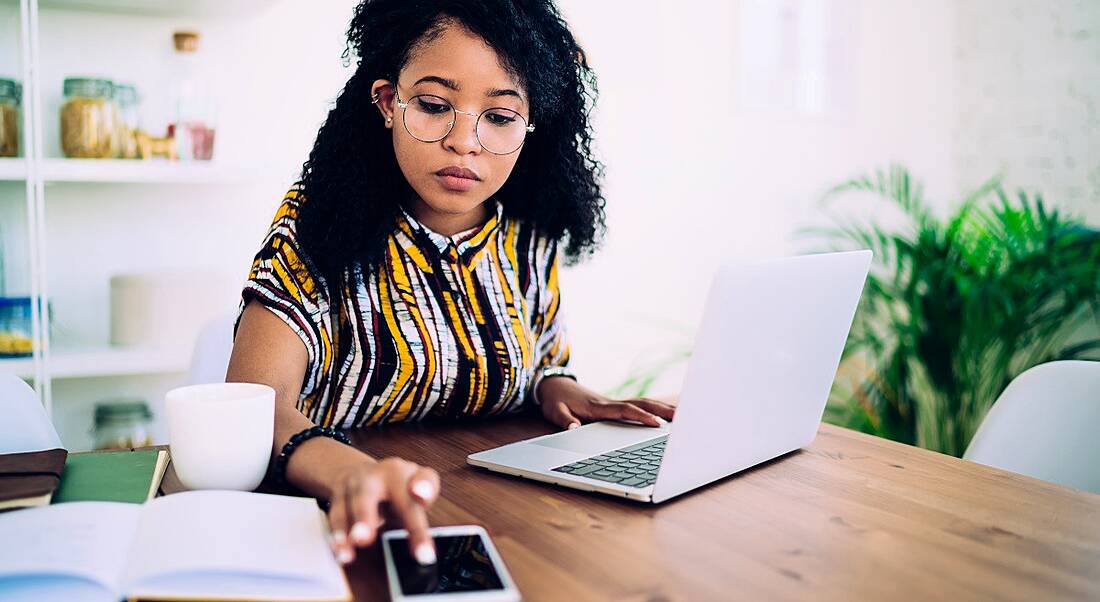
x=55 y=476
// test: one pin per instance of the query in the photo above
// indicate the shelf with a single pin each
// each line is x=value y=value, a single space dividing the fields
x=121 y=171
x=104 y=361
x=23 y=367
x=163 y=8
x=134 y=171
x=13 y=169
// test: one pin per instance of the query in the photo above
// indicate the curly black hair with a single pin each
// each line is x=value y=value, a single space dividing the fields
x=352 y=185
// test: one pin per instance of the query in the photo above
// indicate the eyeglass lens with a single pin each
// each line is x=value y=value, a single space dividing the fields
x=430 y=118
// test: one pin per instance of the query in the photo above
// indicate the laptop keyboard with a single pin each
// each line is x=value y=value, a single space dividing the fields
x=633 y=466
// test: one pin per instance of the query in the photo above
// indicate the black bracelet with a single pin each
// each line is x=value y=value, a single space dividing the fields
x=296 y=440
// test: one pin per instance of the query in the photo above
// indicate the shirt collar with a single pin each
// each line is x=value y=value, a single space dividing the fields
x=466 y=244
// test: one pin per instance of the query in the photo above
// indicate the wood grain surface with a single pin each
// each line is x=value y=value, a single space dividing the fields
x=851 y=517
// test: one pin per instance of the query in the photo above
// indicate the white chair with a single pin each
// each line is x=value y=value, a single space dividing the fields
x=24 y=425
x=1046 y=424
x=214 y=345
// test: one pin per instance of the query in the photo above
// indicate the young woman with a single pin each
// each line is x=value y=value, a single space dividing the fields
x=412 y=273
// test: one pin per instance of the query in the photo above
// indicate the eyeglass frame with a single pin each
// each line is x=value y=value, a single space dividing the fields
x=404 y=105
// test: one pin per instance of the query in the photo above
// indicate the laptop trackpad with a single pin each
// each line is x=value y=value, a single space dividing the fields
x=599 y=437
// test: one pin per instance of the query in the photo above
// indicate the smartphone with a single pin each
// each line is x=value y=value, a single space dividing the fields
x=467 y=568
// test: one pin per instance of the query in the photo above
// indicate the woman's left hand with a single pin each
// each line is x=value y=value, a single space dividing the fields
x=567 y=404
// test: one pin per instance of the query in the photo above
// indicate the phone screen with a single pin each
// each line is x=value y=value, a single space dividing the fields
x=463 y=565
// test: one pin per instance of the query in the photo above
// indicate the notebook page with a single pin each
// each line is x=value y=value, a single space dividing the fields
x=87 y=540
x=232 y=534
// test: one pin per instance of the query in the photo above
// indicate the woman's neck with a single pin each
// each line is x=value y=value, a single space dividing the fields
x=449 y=224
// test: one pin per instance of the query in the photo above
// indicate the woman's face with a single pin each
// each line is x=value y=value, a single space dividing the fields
x=459 y=68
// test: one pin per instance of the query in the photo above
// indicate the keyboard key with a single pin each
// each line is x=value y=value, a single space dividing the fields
x=585 y=470
x=633 y=482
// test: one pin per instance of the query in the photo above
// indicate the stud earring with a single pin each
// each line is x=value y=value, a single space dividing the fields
x=389 y=120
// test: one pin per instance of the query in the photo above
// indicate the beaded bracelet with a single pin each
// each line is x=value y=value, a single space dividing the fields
x=296 y=440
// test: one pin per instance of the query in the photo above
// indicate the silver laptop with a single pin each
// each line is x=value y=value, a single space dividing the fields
x=764 y=360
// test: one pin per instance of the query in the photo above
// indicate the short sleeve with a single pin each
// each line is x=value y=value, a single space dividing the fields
x=283 y=281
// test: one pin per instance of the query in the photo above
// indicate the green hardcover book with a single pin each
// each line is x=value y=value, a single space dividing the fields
x=112 y=476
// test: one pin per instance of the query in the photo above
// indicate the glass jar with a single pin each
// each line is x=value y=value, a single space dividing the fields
x=10 y=94
x=88 y=118
x=122 y=424
x=15 y=327
x=126 y=98
x=193 y=100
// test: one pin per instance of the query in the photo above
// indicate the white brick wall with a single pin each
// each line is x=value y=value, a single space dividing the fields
x=1029 y=97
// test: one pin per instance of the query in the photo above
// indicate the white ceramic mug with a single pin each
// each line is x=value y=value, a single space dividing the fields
x=221 y=434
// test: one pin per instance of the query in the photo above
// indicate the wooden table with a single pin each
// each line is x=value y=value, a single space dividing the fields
x=852 y=517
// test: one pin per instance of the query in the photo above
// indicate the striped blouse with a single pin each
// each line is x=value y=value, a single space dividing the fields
x=448 y=327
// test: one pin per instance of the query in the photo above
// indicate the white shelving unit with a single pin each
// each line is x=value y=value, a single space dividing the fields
x=38 y=173
x=161 y=8
x=104 y=361
x=13 y=170
x=122 y=171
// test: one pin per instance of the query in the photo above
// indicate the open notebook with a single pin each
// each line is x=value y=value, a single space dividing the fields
x=211 y=545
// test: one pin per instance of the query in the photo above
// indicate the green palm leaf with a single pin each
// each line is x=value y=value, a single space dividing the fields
x=957 y=307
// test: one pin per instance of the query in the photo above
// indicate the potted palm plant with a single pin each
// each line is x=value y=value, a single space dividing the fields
x=956 y=307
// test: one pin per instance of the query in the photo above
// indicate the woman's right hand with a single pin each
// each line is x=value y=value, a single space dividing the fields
x=359 y=490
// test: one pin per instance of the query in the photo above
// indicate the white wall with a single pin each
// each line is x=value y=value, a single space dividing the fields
x=1029 y=95
x=683 y=197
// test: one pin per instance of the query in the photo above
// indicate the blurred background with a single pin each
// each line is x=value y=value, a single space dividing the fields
x=729 y=129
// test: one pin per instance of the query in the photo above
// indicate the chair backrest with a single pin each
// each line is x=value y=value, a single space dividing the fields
x=24 y=425
x=214 y=345
x=1046 y=424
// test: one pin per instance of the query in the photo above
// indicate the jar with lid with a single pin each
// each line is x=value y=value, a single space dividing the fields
x=10 y=94
x=122 y=424
x=193 y=100
x=88 y=117
x=126 y=97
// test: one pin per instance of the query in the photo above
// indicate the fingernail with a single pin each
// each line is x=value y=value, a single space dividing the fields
x=359 y=533
x=425 y=554
x=424 y=489
x=573 y=425
x=339 y=538
x=344 y=556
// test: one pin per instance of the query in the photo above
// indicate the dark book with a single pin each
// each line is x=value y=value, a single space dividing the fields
x=30 y=478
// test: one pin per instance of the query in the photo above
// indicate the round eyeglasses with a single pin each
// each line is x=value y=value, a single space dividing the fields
x=430 y=118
